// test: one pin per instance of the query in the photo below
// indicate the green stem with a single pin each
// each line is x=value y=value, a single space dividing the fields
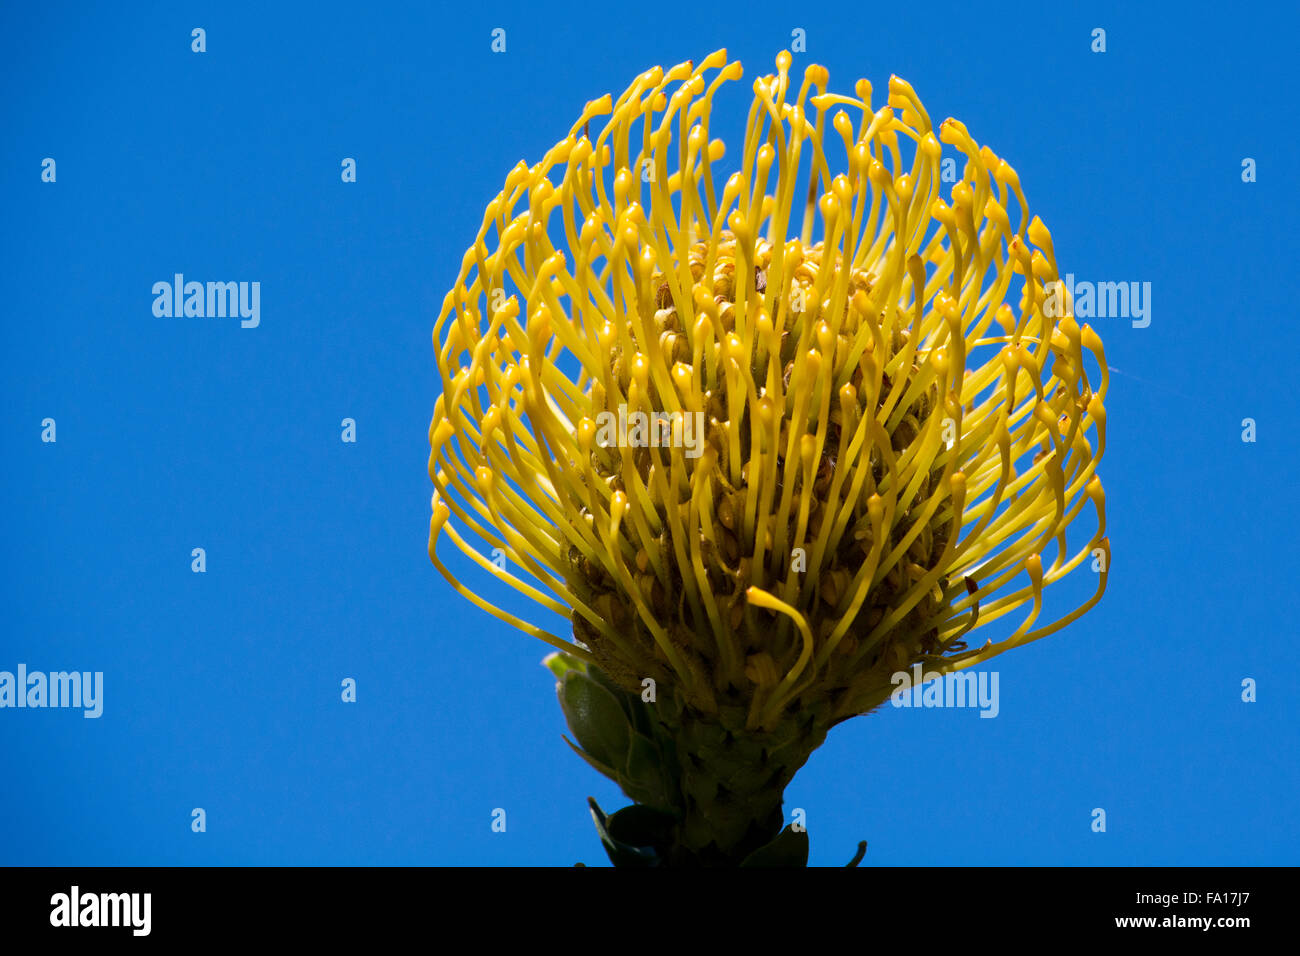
x=731 y=781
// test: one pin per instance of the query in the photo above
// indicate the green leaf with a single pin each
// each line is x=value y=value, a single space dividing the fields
x=645 y=773
x=606 y=721
x=559 y=664
x=632 y=705
x=790 y=848
x=641 y=826
x=620 y=853
x=595 y=718
x=596 y=764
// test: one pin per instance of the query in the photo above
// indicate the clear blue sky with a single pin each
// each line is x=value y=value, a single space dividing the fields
x=222 y=689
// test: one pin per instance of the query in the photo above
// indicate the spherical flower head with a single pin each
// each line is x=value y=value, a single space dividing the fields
x=768 y=438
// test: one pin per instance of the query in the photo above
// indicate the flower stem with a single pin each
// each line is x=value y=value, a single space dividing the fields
x=731 y=781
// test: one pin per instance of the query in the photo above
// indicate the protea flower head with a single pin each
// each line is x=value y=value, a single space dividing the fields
x=766 y=439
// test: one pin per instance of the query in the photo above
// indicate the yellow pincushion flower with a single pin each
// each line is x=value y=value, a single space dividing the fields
x=764 y=471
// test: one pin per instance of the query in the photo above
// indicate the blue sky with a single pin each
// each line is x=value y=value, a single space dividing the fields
x=222 y=689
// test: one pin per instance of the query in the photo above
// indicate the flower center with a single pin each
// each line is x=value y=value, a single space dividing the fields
x=793 y=520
